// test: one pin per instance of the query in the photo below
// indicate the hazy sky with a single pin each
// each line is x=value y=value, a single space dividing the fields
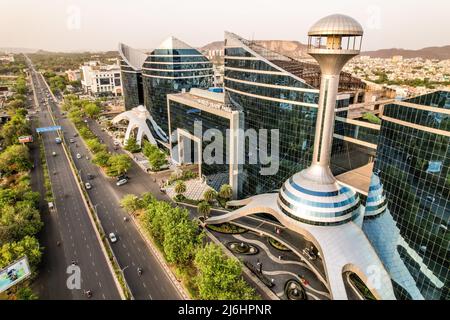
x=101 y=24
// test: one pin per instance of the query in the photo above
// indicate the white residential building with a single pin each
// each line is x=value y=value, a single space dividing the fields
x=98 y=79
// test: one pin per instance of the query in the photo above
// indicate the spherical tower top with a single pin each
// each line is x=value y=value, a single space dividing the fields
x=335 y=34
x=336 y=24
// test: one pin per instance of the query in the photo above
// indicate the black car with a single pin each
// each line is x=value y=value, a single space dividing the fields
x=123 y=176
x=90 y=176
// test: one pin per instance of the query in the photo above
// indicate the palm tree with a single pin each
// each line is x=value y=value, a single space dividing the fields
x=210 y=195
x=226 y=192
x=204 y=209
x=180 y=188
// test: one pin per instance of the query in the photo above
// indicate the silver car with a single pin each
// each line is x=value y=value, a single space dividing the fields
x=121 y=182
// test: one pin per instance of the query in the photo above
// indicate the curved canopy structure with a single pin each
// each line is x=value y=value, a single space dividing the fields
x=343 y=247
x=336 y=24
x=138 y=118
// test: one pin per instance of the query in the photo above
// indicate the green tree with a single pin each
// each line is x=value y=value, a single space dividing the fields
x=18 y=221
x=157 y=160
x=101 y=158
x=219 y=277
x=21 y=86
x=118 y=164
x=86 y=133
x=180 y=188
x=131 y=145
x=226 y=192
x=156 y=157
x=210 y=195
x=29 y=246
x=131 y=203
x=13 y=129
x=204 y=209
x=154 y=219
x=15 y=159
x=15 y=104
x=25 y=293
x=147 y=199
x=181 y=238
x=92 y=110
x=95 y=146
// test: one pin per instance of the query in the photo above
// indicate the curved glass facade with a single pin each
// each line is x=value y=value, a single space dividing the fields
x=170 y=71
x=269 y=98
x=413 y=164
x=133 y=90
x=131 y=74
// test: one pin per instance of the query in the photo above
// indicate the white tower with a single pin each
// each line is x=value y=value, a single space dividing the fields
x=313 y=195
x=332 y=41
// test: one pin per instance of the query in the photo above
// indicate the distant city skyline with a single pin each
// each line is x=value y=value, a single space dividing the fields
x=82 y=25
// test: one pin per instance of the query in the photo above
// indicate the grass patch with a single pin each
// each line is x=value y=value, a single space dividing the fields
x=277 y=245
x=226 y=228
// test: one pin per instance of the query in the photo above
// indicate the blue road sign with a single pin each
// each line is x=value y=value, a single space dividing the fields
x=48 y=129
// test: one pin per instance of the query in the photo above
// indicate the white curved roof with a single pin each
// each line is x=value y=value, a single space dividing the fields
x=336 y=24
x=134 y=58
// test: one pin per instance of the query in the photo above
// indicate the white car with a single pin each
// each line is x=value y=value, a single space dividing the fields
x=71 y=140
x=121 y=182
x=54 y=153
x=78 y=156
x=116 y=143
x=112 y=237
x=88 y=186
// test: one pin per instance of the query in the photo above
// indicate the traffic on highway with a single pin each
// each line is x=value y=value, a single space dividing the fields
x=129 y=248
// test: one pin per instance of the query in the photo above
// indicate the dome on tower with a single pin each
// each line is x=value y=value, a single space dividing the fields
x=336 y=24
x=314 y=196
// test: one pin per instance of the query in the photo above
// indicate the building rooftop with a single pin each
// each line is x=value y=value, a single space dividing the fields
x=309 y=72
x=206 y=100
x=358 y=179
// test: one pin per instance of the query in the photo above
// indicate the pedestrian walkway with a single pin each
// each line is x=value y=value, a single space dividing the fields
x=195 y=189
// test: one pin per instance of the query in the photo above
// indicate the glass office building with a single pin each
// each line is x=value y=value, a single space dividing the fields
x=202 y=126
x=272 y=91
x=408 y=206
x=172 y=67
x=131 y=73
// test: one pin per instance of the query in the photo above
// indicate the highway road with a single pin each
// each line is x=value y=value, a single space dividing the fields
x=131 y=250
x=70 y=224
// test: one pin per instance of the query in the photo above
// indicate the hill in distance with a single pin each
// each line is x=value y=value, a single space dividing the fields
x=297 y=50
x=293 y=49
x=439 y=53
x=17 y=50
